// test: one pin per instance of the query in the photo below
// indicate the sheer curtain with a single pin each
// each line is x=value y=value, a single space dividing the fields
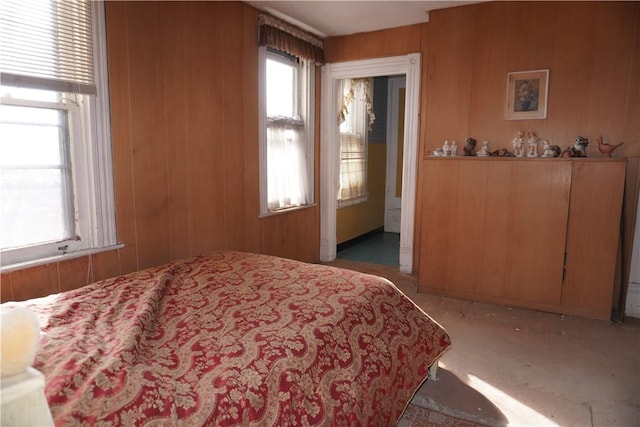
x=287 y=185
x=355 y=118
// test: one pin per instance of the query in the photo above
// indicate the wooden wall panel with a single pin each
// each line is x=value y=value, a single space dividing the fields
x=184 y=109
x=376 y=44
x=175 y=68
x=592 y=87
x=34 y=282
x=121 y=124
x=449 y=73
x=6 y=293
x=231 y=138
x=184 y=183
x=148 y=113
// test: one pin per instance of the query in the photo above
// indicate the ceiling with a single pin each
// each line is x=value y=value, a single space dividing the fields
x=337 y=18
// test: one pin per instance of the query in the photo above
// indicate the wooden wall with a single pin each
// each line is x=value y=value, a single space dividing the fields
x=592 y=50
x=183 y=81
x=184 y=102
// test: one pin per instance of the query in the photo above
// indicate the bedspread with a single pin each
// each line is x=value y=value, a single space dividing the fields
x=234 y=339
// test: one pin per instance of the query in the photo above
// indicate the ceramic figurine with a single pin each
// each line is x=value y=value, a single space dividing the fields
x=532 y=144
x=454 y=149
x=484 y=151
x=470 y=148
x=518 y=150
x=550 y=150
x=446 y=149
x=580 y=146
x=606 y=149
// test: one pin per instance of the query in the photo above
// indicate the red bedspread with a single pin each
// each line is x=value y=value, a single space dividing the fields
x=234 y=339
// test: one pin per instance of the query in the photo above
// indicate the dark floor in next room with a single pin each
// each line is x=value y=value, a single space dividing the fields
x=373 y=248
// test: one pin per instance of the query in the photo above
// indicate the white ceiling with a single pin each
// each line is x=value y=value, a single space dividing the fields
x=337 y=18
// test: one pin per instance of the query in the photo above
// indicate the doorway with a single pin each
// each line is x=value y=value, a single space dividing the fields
x=409 y=66
x=368 y=228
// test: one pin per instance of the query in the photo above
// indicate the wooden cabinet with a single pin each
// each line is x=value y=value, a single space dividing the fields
x=537 y=233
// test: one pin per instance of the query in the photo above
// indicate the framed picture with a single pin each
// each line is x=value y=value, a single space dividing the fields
x=527 y=95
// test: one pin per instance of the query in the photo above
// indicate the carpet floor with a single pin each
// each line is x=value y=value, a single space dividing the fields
x=520 y=367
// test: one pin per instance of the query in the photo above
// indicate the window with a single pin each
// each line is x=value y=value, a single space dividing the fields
x=56 y=190
x=356 y=117
x=286 y=131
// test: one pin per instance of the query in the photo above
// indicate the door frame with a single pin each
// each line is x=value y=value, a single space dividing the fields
x=409 y=65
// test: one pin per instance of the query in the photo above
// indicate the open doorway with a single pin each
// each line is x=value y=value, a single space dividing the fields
x=409 y=66
x=372 y=121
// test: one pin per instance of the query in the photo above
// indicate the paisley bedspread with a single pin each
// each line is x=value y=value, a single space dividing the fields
x=234 y=339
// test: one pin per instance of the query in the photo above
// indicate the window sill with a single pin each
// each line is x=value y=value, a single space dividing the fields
x=57 y=258
x=287 y=210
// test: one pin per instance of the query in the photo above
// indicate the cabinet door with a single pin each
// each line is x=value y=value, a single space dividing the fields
x=593 y=236
x=536 y=230
x=439 y=202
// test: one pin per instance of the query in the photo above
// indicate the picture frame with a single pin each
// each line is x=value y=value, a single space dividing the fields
x=527 y=93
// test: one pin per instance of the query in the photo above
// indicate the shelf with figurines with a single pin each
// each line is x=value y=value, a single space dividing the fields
x=526 y=146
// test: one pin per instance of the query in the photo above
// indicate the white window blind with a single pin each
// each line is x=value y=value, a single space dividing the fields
x=47 y=44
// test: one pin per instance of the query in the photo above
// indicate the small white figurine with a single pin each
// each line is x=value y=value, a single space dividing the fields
x=484 y=151
x=446 y=149
x=532 y=144
x=518 y=142
x=454 y=149
x=546 y=149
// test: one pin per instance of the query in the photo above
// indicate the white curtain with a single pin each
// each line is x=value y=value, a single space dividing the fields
x=286 y=183
x=355 y=118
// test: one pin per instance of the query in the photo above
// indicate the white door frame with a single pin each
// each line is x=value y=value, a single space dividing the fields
x=330 y=153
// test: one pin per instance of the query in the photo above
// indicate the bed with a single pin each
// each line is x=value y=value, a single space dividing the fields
x=233 y=338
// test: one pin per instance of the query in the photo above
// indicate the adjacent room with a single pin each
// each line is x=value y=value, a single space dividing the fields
x=412 y=213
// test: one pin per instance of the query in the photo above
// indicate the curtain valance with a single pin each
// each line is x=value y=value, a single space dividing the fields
x=279 y=35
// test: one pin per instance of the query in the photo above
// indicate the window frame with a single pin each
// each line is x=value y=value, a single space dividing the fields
x=92 y=170
x=306 y=105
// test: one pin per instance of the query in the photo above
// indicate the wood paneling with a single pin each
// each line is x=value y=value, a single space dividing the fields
x=504 y=238
x=376 y=44
x=183 y=79
x=35 y=282
x=184 y=119
x=596 y=206
x=593 y=89
x=500 y=236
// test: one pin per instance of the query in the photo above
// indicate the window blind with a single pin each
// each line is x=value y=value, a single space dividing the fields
x=47 y=44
